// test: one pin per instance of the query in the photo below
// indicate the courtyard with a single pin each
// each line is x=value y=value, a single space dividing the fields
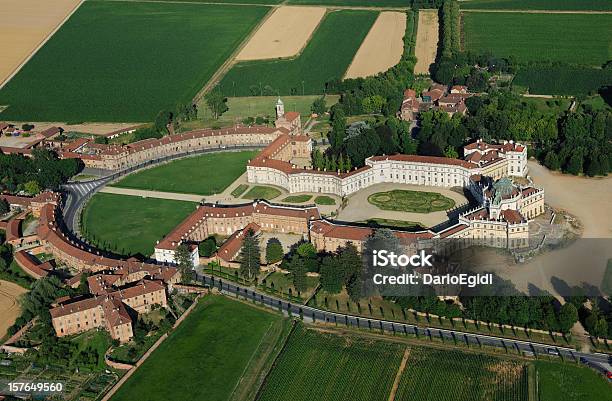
x=426 y=206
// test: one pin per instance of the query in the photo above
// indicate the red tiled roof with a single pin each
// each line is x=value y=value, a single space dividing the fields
x=230 y=248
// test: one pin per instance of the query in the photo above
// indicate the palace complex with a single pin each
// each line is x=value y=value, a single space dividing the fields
x=120 y=289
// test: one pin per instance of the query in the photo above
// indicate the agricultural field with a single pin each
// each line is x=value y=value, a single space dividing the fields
x=460 y=376
x=411 y=201
x=567 y=382
x=221 y=344
x=119 y=43
x=24 y=25
x=207 y=174
x=561 y=80
x=571 y=38
x=326 y=57
x=372 y=58
x=9 y=304
x=283 y=34
x=130 y=225
x=581 y=5
x=355 y=3
x=322 y=366
x=427 y=37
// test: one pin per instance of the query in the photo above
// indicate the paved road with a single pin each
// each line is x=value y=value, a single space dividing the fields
x=597 y=360
x=152 y=194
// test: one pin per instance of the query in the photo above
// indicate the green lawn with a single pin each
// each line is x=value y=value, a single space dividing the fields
x=321 y=366
x=131 y=224
x=571 y=38
x=207 y=174
x=411 y=201
x=262 y=192
x=125 y=61
x=325 y=200
x=297 y=198
x=537 y=4
x=376 y=222
x=569 y=382
x=239 y=190
x=264 y=106
x=326 y=57
x=206 y=355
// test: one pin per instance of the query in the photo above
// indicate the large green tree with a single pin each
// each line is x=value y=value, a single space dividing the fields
x=250 y=255
x=182 y=256
x=274 y=250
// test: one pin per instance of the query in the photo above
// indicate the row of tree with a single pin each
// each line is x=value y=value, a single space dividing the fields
x=331 y=162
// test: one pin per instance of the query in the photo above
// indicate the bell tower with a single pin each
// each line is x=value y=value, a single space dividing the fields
x=280 y=108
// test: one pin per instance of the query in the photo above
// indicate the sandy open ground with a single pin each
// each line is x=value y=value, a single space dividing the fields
x=426 y=41
x=382 y=48
x=9 y=308
x=589 y=199
x=25 y=25
x=583 y=261
x=284 y=34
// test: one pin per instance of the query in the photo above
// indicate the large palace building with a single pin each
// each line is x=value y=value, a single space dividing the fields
x=273 y=167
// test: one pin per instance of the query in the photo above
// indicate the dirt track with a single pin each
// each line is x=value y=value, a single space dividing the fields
x=426 y=41
x=284 y=34
x=382 y=48
x=9 y=308
x=25 y=26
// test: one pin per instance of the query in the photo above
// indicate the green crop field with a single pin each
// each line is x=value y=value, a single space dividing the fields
x=125 y=61
x=562 y=80
x=130 y=224
x=567 y=382
x=205 y=357
x=262 y=192
x=598 y=5
x=355 y=3
x=571 y=38
x=411 y=201
x=207 y=174
x=320 y=366
x=461 y=376
x=326 y=57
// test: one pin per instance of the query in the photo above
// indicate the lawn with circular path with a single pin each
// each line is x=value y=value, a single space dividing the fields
x=411 y=201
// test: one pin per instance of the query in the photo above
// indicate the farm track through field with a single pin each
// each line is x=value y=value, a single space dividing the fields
x=231 y=60
x=329 y=7
x=480 y=10
x=10 y=75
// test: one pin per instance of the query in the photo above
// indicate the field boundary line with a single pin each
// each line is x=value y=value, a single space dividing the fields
x=40 y=45
x=482 y=10
x=146 y=355
x=246 y=367
x=399 y=373
x=231 y=60
x=197 y=3
x=299 y=53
